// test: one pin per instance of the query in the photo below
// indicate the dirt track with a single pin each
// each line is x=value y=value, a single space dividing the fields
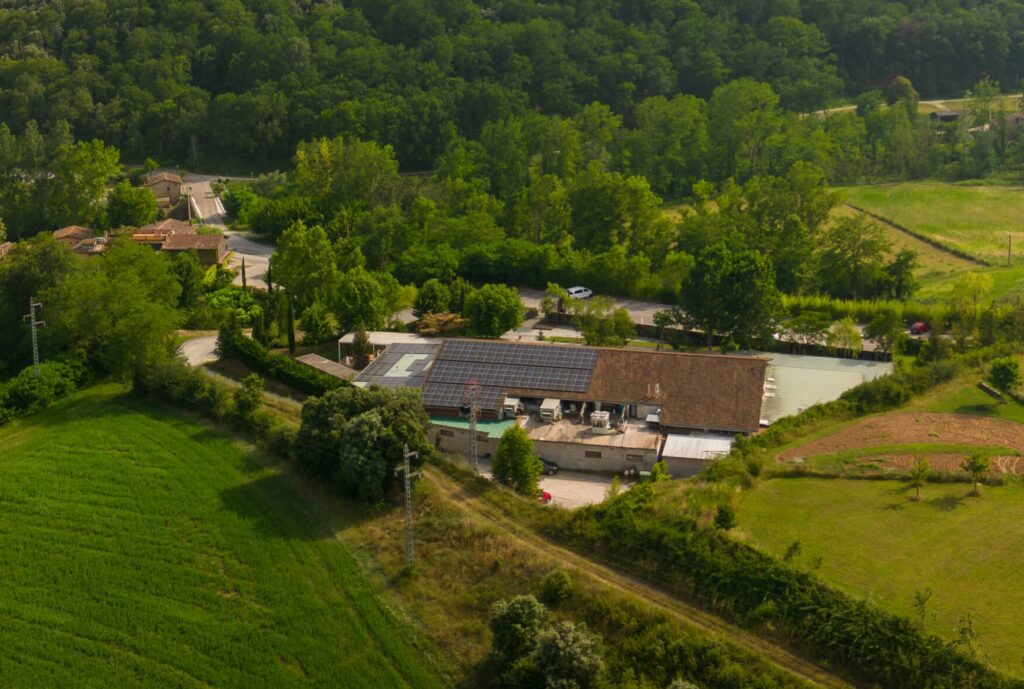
x=674 y=607
x=923 y=427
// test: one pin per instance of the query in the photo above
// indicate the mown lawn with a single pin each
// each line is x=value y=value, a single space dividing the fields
x=874 y=542
x=974 y=219
x=141 y=548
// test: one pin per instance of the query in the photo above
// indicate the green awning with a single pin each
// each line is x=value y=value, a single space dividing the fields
x=493 y=429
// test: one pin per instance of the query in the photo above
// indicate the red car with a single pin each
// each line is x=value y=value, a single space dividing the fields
x=919 y=328
x=545 y=497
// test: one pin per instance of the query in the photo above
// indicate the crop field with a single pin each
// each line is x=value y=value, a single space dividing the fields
x=141 y=548
x=869 y=538
x=976 y=220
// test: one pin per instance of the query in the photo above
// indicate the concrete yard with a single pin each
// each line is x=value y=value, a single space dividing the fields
x=570 y=489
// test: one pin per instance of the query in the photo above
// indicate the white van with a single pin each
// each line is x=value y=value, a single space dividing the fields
x=579 y=293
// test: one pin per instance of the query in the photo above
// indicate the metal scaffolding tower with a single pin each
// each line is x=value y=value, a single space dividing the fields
x=34 y=325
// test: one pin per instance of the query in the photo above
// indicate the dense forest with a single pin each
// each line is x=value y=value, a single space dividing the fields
x=246 y=80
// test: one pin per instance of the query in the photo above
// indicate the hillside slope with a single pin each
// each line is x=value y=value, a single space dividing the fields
x=143 y=549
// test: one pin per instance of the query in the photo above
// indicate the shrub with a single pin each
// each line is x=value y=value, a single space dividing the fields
x=725 y=517
x=249 y=396
x=27 y=392
x=557 y=587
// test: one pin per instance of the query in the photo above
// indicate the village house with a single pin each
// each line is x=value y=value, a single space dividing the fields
x=211 y=248
x=72 y=235
x=154 y=234
x=166 y=187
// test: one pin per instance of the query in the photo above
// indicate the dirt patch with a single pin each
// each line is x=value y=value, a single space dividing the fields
x=924 y=427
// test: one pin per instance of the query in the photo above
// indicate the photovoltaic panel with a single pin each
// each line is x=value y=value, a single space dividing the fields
x=537 y=377
x=499 y=366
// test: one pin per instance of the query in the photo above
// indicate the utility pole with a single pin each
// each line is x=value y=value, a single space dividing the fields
x=408 y=474
x=34 y=324
x=473 y=393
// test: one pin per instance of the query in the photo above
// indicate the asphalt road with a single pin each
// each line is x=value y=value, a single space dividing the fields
x=199 y=350
x=255 y=254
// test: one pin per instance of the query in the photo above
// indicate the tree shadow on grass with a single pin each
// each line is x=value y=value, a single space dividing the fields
x=976 y=409
x=946 y=503
x=903 y=490
x=273 y=506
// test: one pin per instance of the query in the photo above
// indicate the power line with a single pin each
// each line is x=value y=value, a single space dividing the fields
x=408 y=475
x=34 y=324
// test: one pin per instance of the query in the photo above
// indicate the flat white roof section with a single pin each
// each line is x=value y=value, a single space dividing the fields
x=704 y=446
x=381 y=338
x=797 y=381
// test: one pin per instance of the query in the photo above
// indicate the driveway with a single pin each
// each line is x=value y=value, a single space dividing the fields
x=199 y=350
x=640 y=311
x=570 y=489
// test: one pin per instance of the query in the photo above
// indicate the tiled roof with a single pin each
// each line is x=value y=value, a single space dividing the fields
x=73 y=232
x=163 y=177
x=184 y=242
x=693 y=390
x=696 y=391
x=167 y=226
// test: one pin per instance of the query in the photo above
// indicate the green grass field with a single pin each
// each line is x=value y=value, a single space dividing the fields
x=141 y=548
x=974 y=219
x=876 y=543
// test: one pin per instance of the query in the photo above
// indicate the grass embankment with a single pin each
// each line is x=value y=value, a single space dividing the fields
x=142 y=548
x=873 y=541
x=974 y=220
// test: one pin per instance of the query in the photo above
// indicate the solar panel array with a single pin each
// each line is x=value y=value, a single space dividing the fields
x=499 y=366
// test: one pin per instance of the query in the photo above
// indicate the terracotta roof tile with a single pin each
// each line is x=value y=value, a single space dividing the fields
x=184 y=242
x=73 y=232
x=163 y=177
x=693 y=390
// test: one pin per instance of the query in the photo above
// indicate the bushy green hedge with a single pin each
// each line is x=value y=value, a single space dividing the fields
x=175 y=381
x=865 y=310
x=879 y=648
x=277 y=366
x=28 y=392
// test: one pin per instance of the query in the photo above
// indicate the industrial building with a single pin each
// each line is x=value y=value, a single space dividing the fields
x=585 y=408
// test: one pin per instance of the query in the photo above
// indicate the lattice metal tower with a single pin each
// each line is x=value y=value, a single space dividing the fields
x=473 y=412
x=408 y=474
x=34 y=325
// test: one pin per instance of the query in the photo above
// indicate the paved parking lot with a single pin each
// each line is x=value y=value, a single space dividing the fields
x=570 y=489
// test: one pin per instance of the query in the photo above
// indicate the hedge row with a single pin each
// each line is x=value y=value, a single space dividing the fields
x=305 y=379
x=865 y=310
x=877 y=647
x=175 y=381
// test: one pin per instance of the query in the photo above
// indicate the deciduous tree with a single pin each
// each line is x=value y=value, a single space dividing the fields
x=514 y=463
